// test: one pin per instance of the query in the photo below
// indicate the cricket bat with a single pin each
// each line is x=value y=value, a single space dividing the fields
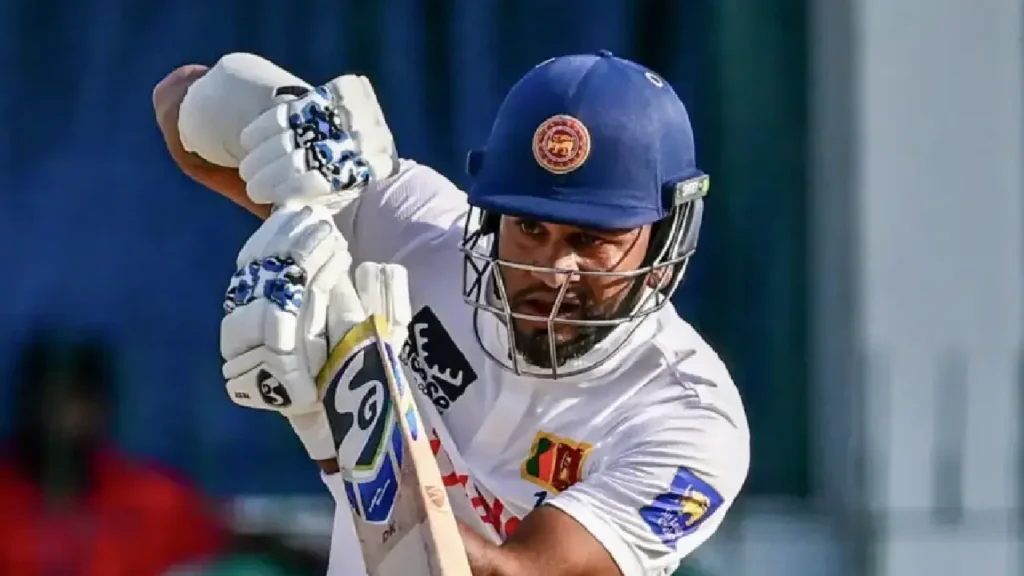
x=392 y=482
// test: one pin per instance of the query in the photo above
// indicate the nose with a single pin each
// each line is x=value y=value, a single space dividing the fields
x=562 y=269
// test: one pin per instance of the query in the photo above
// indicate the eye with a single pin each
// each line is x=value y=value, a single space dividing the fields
x=585 y=240
x=530 y=227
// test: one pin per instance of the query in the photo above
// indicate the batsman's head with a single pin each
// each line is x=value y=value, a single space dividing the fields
x=586 y=206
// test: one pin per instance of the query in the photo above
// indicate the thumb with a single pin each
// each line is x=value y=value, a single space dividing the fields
x=344 y=309
x=384 y=291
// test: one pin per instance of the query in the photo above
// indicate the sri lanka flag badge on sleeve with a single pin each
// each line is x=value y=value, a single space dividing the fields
x=555 y=463
x=680 y=510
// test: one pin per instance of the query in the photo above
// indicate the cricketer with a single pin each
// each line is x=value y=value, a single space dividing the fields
x=582 y=426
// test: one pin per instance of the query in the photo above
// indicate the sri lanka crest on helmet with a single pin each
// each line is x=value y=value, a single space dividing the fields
x=561 y=144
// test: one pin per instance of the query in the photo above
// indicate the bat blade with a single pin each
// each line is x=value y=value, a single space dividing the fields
x=393 y=485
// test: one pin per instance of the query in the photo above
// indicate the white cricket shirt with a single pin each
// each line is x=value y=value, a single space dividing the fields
x=647 y=452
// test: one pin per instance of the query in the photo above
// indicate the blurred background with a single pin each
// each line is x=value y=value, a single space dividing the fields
x=860 y=269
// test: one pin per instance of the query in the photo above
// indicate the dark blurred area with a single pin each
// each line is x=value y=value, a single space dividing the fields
x=74 y=503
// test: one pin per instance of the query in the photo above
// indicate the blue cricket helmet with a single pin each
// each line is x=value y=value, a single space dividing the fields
x=591 y=140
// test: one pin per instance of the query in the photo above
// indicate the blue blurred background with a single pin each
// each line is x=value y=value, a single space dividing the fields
x=859 y=270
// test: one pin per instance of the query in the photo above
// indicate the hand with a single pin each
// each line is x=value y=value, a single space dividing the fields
x=324 y=146
x=201 y=112
x=290 y=301
x=167 y=98
x=274 y=334
x=230 y=96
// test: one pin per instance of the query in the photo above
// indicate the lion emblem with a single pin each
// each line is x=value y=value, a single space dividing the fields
x=561 y=145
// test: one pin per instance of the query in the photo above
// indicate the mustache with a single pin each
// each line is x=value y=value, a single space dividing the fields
x=575 y=296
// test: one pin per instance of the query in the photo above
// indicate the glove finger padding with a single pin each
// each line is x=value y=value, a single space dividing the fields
x=289 y=177
x=313 y=318
x=318 y=169
x=277 y=171
x=255 y=247
x=244 y=329
x=267 y=380
x=273 y=121
x=275 y=236
x=278 y=147
x=366 y=123
x=331 y=141
x=344 y=310
x=384 y=290
x=311 y=243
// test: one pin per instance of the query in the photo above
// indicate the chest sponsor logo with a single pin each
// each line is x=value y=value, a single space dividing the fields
x=442 y=371
x=555 y=463
x=680 y=510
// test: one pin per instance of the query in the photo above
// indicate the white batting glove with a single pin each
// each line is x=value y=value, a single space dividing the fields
x=232 y=94
x=274 y=337
x=323 y=146
x=289 y=303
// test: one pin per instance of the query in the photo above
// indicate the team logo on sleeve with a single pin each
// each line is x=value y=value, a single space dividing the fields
x=442 y=371
x=561 y=144
x=554 y=463
x=682 y=509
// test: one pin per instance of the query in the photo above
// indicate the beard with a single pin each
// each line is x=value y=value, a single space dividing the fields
x=535 y=344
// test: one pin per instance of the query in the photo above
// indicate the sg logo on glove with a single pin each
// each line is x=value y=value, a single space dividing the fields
x=272 y=391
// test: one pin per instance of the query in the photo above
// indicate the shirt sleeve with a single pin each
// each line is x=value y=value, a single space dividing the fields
x=393 y=218
x=665 y=490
